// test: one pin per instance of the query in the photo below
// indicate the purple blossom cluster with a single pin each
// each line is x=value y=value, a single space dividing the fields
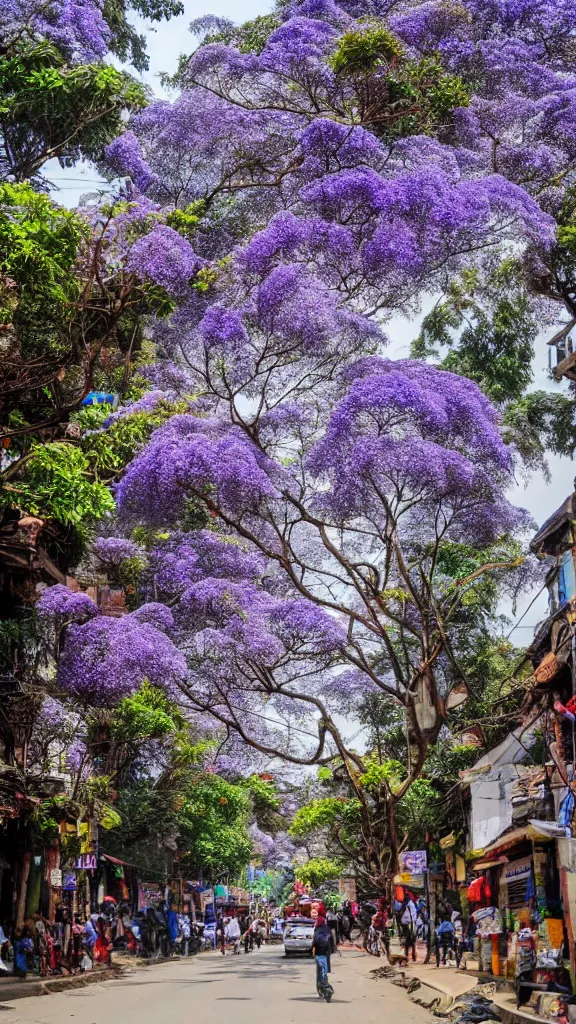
x=187 y=558
x=165 y=258
x=76 y=26
x=112 y=551
x=63 y=605
x=184 y=459
x=124 y=155
x=106 y=659
x=410 y=437
x=241 y=624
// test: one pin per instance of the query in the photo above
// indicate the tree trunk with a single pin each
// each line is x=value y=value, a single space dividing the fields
x=23 y=889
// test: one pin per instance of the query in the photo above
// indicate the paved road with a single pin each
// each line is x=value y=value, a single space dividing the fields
x=260 y=988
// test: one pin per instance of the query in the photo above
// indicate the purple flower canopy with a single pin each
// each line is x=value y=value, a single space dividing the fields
x=63 y=605
x=183 y=459
x=165 y=258
x=107 y=659
x=112 y=551
x=401 y=427
x=77 y=26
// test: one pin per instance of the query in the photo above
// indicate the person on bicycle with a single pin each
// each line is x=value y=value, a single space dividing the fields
x=380 y=925
x=323 y=946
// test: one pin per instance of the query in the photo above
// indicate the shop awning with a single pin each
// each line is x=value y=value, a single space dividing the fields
x=114 y=860
x=510 y=839
x=485 y=865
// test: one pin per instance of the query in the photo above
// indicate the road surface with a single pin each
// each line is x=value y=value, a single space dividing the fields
x=259 y=988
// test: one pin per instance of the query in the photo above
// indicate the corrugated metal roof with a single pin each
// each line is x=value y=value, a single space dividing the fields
x=546 y=540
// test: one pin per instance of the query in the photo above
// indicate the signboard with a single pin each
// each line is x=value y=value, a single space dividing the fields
x=56 y=878
x=148 y=893
x=86 y=862
x=69 y=884
x=517 y=870
x=413 y=865
x=206 y=899
x=347 y=888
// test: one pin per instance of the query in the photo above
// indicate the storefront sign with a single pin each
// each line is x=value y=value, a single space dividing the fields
x=86 y=862
x=148 y=894
x=517 y=869
x=56 y=878
x=413 y=864
x=69 y=883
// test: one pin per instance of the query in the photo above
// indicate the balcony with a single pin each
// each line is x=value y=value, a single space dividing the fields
x=562 y=353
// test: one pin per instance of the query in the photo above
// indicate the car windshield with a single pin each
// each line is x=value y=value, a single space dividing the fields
x=296 y=930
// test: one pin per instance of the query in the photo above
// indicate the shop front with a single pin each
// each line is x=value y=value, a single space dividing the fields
x=518 y=909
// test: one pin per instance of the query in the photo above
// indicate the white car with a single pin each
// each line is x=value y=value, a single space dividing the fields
x=298 y=936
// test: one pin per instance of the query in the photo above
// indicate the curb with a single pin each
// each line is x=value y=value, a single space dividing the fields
x=11 y=990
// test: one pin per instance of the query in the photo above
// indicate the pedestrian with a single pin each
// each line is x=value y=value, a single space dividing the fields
x=103 y=944
x=233 y=934
x=23 y=946
x=89 y=936
x=332 y=922
x=380 y=925
x=408 y=923
x=185 y=931
x=323 y=946
x=221 y=924
x=258 y=931
x=346 y=922
x=445 y=940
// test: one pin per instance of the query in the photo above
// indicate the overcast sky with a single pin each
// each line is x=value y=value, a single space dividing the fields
x=165 y=43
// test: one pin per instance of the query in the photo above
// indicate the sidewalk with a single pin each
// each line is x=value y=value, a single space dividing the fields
x=450 y=985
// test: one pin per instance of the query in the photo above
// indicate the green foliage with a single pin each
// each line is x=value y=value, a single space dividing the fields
x=318 y=871
x=17 y=634
x=419 y=812
x=541 y=421
x=265 y=802
x=57 y=484
x=126 y=43
x=185 y=221
x=148 y=714
x=38 y=247
x=113 y=448
x=364 y=50
x=49 y=108
x=321 y=814
x=213 y=822
x=206 y=815
x=396 y=95
x=251 y=37
x=489 y=333
x=378 y=773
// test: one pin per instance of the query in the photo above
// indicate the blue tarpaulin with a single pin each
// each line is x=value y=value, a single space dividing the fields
x=99 y=398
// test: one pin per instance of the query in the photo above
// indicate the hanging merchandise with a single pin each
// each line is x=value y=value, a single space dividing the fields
x=479 y=891
x=488 y=921
x=566 y=812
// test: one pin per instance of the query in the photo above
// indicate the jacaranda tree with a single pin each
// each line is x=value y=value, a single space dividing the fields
x=324 y=524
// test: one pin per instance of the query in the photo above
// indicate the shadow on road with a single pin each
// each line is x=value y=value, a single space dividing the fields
x=313 y=999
